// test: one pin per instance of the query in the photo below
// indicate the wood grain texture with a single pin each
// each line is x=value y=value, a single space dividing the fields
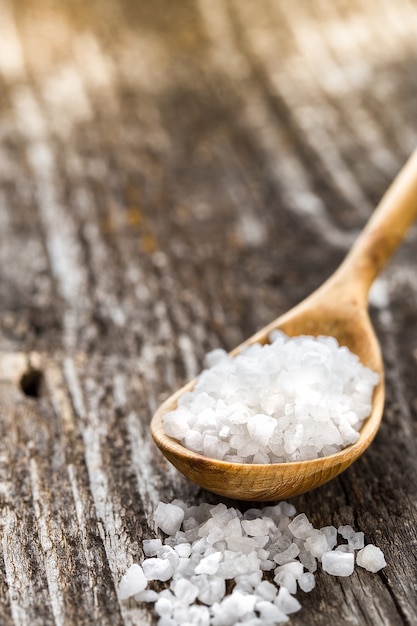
x=173 y=176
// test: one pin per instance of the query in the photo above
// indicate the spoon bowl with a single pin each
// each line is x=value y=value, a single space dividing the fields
x=339 y=309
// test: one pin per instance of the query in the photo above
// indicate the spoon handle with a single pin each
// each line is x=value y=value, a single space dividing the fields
x=384 y=231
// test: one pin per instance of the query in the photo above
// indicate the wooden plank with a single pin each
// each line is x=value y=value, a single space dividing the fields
x=172 y=177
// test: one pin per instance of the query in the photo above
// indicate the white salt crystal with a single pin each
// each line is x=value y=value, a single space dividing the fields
x=209 y=564
x=168 y=517
x=198 y=616
x=211 y=588
x=215 y=357
x=266 y=590
x=213 y=447
x=286 y=602
x=331 y=535
x=267 y=565
x=286 y=580
x=183 y=550
x=317 y=543
x=300 y=526
x=338 y=563
x=233 y=528
x=241 y=544
x=287 y=555
x=147 y=595
x=357 y=541
x=248 y=582
x=308 y=560
x=306 y=581
x=157 y=569
x=177 y=423
x=163 y=607
x=346 y=531
x=261 y=428
x=295 y=567
x=238 y=604
x=193 y=440
x=269 y=612
x=185 y=590
x=132 y=582
x=255 y=527
x=151 y=546
x=371 y=558
x=286 y=509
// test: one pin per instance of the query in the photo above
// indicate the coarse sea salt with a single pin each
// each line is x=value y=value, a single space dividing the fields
x=222 y=567
x=294 y=399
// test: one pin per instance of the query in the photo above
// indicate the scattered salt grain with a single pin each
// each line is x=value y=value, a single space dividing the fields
x=338 y=563
x=371 y=558
x=294 y=399
x=243 y=548
x=169 y=517
x=306 y=582
x=158 y=569
x=300 y=527
x=133 y=582
x=151 y=546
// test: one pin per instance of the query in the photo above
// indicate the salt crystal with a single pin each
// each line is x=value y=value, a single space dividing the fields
x=163 y=607
x=331 y=535
x=168 y=517
x=238 y=604
x=185 y=590
x=151 y=546
x=286 y=509
x=287 y=555
x=286 y=602
x=371 y=558
x=317 y=543
x=177 y=423
x=255 y=527
x=193 y=440
x=209 y=564
x=344 y=547
x=308 y=560
x=215 y=357
x=132 y=582
x=261 y=428
x=295 y=567
x=266 y=590
x=157 y=569
x=301 y=527
x=338 y=563
x=147 y=595
x=241 y=544
x=270 y=612
x=357 y=541
x=306 y=581
x=199 y=616
x=286 y=580
x=211 y=588
x=183 y=549
x=346 y=531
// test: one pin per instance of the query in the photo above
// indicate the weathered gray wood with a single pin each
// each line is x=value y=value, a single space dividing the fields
x=173 y=175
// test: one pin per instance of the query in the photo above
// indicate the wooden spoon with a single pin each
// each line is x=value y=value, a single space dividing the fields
x=337 y=308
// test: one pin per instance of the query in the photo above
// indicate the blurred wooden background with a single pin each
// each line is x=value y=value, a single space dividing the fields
x=174 y=175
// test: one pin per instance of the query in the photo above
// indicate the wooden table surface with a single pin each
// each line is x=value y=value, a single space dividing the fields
x=174 y=175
